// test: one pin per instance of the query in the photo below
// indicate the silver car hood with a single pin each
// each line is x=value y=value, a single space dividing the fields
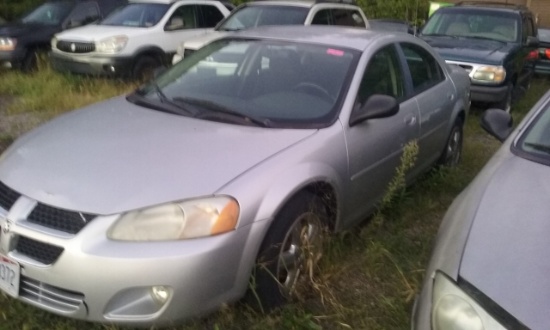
x=115 y=156
x=506 y=255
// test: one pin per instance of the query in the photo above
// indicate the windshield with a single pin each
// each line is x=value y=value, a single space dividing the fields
x=50 y=13
x=253 y=82
x=252 y=16
x=534 y=143
x=137 y=15
x=498 y=26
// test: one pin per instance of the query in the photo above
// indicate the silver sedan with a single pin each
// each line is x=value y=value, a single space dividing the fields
x=161 y=205
x=490 y=265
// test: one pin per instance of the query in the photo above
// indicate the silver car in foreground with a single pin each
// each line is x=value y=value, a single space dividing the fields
x=158 y=206
x=490 y=265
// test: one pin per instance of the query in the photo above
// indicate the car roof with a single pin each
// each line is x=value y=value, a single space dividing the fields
x=487 y=6
x=335 y=36
x=300 y=3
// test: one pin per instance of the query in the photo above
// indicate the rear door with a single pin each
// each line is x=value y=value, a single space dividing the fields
x=435 y=95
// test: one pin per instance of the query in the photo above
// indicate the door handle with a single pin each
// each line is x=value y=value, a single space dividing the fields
x=410 y=120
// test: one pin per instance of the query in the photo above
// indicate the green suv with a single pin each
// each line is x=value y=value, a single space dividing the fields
x=496 y=43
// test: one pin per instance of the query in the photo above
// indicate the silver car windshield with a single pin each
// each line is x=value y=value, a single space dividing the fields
x=535 y=141
x=252 y=16
x=137 y=15
x=277 y=84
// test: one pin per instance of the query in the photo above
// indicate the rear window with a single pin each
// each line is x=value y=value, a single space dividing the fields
x=544 y=35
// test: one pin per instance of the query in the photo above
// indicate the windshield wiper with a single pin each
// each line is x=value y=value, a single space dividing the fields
x=165 y=105
x=165 y=99
x=538 y=146
x=484 y=38
x=215 y=107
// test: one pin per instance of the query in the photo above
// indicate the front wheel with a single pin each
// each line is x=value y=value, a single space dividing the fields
x=506 y=103
x=290 y=251
x=144 y=68
x=453 y=148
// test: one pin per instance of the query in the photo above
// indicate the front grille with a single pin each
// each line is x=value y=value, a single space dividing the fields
x=7 y=196
x=62 y=220
x=75 y=47
x=50 y=296
x=45 y=253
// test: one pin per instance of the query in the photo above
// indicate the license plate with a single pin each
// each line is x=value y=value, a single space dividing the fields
x=9 y=276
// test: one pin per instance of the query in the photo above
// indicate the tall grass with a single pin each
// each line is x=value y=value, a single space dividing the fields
x=372 y=273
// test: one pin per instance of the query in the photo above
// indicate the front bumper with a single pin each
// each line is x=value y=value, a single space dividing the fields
x=542 y=67
x=12 y=59
x=93 y=64
x=100 y=280
x=484 y=93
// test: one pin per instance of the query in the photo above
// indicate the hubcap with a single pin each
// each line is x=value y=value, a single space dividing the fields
x=300 y=250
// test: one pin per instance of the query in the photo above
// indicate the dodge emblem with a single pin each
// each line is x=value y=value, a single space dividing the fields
x=73 y=47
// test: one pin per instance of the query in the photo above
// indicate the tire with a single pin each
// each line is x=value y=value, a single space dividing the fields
x=144 y=68
x=30 y=61
x=291 y=248
x=506 y=103
x=453 y=147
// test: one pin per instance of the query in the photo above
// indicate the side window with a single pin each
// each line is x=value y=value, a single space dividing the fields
x=425 y=71
x=322 y=17
x=211 y=15
x=382 y=76
x=183 y=18
x=346 y=17
x=83 y=14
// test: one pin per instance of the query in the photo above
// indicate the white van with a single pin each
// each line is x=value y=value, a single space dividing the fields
x=136 y=39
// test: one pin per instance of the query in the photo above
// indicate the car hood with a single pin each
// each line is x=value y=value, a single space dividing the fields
x=506 y=254
x=116 y=156
x=91 y=33
x=19 y=29
x=471 y=50
x=198 y=42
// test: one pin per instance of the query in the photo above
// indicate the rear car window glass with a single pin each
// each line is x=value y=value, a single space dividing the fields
x=424 y=69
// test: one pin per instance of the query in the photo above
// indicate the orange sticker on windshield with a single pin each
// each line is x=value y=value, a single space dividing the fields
x=335 y=52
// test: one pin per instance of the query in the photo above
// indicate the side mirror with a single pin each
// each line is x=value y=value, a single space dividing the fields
x=532 y=42
x=498 y=123
x=376 y=106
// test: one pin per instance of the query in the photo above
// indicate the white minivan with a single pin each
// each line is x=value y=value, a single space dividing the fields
x=136 y=39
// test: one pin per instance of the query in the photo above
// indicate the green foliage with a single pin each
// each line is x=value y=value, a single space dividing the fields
x=11 y=9
x=413 y=11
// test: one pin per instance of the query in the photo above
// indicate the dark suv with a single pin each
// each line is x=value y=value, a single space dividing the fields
x=22 y=39
x=495 y=42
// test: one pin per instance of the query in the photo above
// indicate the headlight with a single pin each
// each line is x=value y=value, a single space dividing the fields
x=177 y=221
x=111 y=45
x=180 y=50
x=490 y=74
x=453 y=309
x=8 y=44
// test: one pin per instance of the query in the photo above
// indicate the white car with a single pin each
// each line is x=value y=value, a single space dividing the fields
x=253 y=14
x=136 y=39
